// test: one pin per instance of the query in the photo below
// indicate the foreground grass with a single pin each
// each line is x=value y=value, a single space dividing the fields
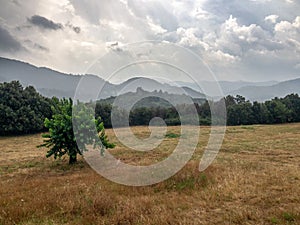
x=254 y=180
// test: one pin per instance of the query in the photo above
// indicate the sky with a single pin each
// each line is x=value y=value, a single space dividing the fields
x=251 y=40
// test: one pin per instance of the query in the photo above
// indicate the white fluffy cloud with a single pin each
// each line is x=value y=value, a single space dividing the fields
x=289 y=33
x=243 y=39
x=271 y=18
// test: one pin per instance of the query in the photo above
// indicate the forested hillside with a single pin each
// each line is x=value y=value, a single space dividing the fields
x=23 y=110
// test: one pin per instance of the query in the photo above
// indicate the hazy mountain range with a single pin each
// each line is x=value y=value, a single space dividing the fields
x=52 y=83
x=226 y=86
x=142 y=98
x=253 y=91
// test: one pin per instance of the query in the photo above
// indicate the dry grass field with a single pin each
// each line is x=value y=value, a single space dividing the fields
x=254 y=180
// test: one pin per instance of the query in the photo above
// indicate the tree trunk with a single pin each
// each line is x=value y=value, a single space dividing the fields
x=73 y=159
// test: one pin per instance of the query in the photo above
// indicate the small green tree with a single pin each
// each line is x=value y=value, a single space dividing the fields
x=64 y=138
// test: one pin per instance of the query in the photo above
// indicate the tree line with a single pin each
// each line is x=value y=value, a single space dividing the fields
x=24 y=110
x=239 y=112
x=275 y=111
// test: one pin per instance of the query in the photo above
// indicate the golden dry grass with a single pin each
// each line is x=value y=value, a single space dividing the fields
x=254 y=180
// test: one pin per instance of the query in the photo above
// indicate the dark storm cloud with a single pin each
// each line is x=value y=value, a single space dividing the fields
x=76 y=29
x=7 y=42
x=45 y=23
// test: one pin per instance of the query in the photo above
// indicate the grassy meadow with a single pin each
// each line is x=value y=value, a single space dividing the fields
x=255 y=179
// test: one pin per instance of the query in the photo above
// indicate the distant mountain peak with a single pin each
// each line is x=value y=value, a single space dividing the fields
x=53 y=83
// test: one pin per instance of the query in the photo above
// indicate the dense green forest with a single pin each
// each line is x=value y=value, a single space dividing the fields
x=239 y=112
x=23 y=111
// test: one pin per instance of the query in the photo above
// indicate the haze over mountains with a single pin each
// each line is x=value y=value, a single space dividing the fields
x=262 y=93
x=52 y=83
x=226 y=86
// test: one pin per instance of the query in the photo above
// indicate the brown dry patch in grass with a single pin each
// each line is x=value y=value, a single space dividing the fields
x=254 y=180
x=16 y=149
x=147 y=157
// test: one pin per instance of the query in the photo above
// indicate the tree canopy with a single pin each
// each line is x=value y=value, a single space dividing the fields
x=22 y=110
x=64 y=138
